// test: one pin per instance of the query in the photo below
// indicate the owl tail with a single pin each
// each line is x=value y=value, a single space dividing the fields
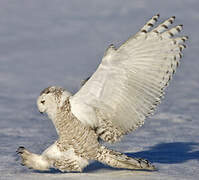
x=119 y=160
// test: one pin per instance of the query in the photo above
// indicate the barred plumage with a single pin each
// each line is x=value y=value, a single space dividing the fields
x=150 y=24
x=125 y=89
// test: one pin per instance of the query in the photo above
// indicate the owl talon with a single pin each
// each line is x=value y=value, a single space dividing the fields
x=24 y=155
x=20 y=150
x=22 y=164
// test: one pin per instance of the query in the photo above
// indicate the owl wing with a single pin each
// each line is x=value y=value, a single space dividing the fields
x=130 y=81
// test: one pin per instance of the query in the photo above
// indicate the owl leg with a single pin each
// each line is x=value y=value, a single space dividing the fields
x=65 y=161
x=33 y=161
x=119 y=160
x=67 y=165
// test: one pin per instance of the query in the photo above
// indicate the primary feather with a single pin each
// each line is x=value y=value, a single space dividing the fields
x=130 y=81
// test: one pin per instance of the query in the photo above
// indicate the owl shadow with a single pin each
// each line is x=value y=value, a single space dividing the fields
x=163 y=153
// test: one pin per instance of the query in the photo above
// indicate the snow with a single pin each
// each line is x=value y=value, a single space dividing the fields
x=57 y=42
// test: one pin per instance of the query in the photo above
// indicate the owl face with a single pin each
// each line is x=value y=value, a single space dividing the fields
x=51 y=99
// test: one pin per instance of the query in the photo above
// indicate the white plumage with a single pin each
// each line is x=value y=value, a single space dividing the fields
x=125 y=89
x=130 y=81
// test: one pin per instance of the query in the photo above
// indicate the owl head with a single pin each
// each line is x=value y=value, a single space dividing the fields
x=51 y=99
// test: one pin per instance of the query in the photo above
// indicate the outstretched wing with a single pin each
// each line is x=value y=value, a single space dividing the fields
x=130 y=81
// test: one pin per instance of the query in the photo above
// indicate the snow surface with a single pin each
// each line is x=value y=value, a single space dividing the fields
x=59 y=42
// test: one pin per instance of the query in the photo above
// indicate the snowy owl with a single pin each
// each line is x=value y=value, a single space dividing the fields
x=125 y=89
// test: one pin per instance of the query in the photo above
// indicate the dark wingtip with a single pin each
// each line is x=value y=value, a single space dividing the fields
x=187 y=37
x=173 y=17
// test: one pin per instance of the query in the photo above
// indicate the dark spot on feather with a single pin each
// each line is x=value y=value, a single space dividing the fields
x=174 y=41
x=163 y=25
x=186 y=37
x=144 y=31
x=177 y=63
x=155 y=31
x=155 y=19
x=46 y=91
x=171 y=34
x=170 y=21
x=178 y=29
x=151 y=25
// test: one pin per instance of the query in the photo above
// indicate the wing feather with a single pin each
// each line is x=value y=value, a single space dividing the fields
x=130 y=81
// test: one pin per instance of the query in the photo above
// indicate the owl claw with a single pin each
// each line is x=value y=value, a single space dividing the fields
x=20 y=150
x=22 y=164
x=24 y=155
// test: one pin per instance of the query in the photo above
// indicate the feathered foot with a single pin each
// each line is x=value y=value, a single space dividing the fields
x=119 y=160
x=31 y=160
x=23 y=153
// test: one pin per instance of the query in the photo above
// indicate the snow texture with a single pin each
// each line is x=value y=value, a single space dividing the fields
x=58 y=42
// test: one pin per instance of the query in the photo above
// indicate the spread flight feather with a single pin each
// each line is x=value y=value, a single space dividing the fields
x=130 y=81
x=125 y=89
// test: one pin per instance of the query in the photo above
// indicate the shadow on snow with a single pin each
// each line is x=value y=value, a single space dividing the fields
x=164 y=153
x=169 y=153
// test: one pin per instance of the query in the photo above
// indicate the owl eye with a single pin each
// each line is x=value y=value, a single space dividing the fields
x=42 y=102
